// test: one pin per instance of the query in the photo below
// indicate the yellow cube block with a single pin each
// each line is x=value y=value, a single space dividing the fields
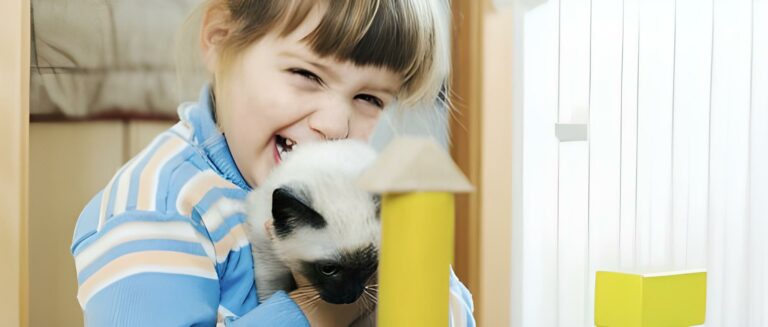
x=672 y=299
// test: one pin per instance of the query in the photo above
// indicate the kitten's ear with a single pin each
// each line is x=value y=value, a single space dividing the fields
x=290 y=212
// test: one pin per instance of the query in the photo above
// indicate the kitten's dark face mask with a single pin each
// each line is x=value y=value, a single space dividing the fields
x=344 y=280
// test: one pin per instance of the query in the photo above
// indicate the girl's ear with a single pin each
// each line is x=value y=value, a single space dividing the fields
x=215 y=28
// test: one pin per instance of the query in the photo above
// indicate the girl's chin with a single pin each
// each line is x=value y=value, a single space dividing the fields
x=258 y=173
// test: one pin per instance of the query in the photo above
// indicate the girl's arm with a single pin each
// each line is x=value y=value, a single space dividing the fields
x=278 y=310
x=151 y=269
x=140 y=269
x=296 y=309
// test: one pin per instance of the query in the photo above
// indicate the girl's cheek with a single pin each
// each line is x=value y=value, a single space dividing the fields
x=362 y=128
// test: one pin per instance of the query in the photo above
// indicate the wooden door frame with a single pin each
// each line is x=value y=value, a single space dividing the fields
x=14 y=145
x=465 y=137
x=482 y=145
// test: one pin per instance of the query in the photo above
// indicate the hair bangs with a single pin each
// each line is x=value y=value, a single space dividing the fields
x=378 y=33
x=256 y=18
x=365 y=33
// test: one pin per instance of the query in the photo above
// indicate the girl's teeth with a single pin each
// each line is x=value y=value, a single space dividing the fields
x=284 y=145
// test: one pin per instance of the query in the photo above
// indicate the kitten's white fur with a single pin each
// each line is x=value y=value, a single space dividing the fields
x=326 y=170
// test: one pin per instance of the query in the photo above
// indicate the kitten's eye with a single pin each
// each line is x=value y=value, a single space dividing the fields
x=307 y=74
x=327 y=269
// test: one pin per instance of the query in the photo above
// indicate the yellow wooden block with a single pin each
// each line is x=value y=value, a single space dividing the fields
x=417 y=180
x=673 y=299
x=416 y=252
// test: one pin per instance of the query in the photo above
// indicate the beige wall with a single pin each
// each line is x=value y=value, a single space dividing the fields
x=496 y=229
x=69 y=163
x=14 y=109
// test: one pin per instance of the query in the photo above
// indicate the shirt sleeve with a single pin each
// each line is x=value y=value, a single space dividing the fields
x=144 y=270
x=461 y=306
x=279 y=310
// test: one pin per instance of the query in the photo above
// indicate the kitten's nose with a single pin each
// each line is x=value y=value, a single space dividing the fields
x=350 y=295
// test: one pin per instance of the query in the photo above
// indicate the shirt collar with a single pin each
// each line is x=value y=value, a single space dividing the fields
x=209 y=138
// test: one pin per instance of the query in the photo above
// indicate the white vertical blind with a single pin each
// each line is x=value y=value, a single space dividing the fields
x=655 y=92
x=674 y=173
x=729 y=153
x=693 y=58
x=605 y=142
x=628 y=137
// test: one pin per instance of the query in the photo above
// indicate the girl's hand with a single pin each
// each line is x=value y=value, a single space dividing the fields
x=320 y=313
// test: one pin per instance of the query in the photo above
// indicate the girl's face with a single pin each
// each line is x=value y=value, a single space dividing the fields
x=280 y=94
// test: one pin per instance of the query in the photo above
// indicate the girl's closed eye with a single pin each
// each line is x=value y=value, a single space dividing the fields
x=308 y=75
x=371 y=100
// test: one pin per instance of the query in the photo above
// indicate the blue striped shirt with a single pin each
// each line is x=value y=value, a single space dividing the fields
x=163 y=243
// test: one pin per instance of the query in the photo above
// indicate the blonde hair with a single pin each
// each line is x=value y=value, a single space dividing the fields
x=409 y=37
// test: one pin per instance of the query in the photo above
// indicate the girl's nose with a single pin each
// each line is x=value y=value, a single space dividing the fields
x=331 y=119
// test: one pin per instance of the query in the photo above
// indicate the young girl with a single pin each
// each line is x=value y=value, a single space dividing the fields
x=160 y=245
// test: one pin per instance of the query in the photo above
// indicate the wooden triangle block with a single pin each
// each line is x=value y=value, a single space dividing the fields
x=414 y=164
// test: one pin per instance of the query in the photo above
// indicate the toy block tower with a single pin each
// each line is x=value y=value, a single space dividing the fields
x=417 y=180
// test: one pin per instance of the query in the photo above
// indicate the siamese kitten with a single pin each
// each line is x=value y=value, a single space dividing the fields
x=308 y=216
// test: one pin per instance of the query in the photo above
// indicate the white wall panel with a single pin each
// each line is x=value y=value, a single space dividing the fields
x=758 y=172
x=539 y=264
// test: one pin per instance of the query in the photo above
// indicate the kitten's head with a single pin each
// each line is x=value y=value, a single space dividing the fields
x=323 y=225
x=334 y=247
